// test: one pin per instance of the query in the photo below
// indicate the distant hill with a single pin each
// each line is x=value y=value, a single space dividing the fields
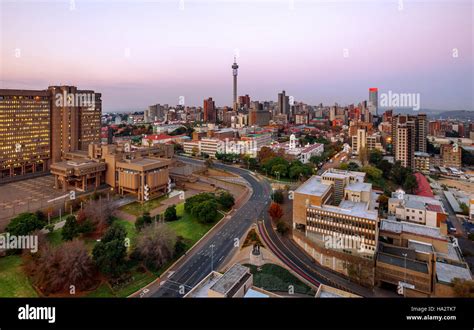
x=457 y=114
x=437 y=114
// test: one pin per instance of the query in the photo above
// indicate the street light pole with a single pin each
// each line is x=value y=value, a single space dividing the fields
x=212 y=257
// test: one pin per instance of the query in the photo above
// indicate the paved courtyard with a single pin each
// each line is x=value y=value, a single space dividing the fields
x=27 y=195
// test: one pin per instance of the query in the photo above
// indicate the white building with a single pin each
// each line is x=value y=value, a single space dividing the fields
x=304 y=153
x=417 y=209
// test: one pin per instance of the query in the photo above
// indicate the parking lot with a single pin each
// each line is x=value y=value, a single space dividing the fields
x=26 y=196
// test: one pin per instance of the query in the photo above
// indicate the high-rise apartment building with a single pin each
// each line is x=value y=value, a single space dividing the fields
x=408 y=135
x=39 y=127
x=283 y=103
x=210 y=111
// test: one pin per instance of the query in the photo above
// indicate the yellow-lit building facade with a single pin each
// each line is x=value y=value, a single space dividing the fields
x=25 y=133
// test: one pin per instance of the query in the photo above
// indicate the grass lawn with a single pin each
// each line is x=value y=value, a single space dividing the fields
x=55 y=237
x=137 y=208
x=130 y=228
x=189 y=227
x=275 y=278
x=13 y=282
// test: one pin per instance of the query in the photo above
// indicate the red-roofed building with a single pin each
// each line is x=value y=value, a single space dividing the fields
x=162 y=138
x=424 y=188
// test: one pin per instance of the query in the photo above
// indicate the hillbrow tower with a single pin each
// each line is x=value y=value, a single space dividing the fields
x=234 y=74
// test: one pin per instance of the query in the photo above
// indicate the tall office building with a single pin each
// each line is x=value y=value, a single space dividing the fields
x=421 y=131
x=283 y=103
x=75 y=119
x=244 y=101
x=153 y=113
x=25 y=131
x=210 y=113
x=373 y=101
x=38 y=127
x=408 y=136
x=234 y=74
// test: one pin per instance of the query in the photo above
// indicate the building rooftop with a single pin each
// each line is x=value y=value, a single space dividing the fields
x=420 y=246
x=313 y=186
x=447 y=272
x=143 y=164
x=359 y=186
x=230 y=279
x=355 y=209
x=326 y=291
x=201 y=290
x=413 y=228
x=402 y=262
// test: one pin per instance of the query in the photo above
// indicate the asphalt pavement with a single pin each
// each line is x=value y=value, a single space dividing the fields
x=212 y=251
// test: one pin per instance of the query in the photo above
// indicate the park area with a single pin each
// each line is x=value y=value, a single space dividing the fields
x=134 y=269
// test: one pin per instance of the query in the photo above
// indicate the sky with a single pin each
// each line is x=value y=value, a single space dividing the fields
x=141 y=52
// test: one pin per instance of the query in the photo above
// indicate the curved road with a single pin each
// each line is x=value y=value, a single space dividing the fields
x=210 y=253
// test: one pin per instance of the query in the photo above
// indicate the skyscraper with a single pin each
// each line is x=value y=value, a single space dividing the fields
x=209 y=109
x=408 y=136
x=283 y=103
x=39 y=127
x=75 y=119
x=25 y=131
x=234 y=74
x=373 y=101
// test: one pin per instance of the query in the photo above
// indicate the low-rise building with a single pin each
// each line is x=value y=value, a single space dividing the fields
x=419 y=260
x=417 y=209
x=335 y=220
x=302 y=153
x=236 y=282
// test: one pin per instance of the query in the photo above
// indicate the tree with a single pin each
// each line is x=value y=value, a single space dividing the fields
x=85 y=225
x=410 y=183
x=170 y=213
x=143 y=220
x=464 y=208
x=206 y=212
x=386 y=167
x=265 y=154
x=280 y=170
x=275 y=211
x=226 y=200
x=277 y=196
x=282 y=227
x=373 y=172
x=383 y=202
x=155 y=246
x=109 y=254
x=59 y=269
x=363 y=155
x=353 y=166
x=71 y=228
x=375 y=157
x=463 y=288
x=99 y=213
x=24 y=224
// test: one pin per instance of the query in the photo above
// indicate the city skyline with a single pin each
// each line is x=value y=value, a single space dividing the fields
x=292 y=49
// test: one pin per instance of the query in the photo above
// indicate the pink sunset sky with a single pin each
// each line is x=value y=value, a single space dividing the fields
x=138 y=53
